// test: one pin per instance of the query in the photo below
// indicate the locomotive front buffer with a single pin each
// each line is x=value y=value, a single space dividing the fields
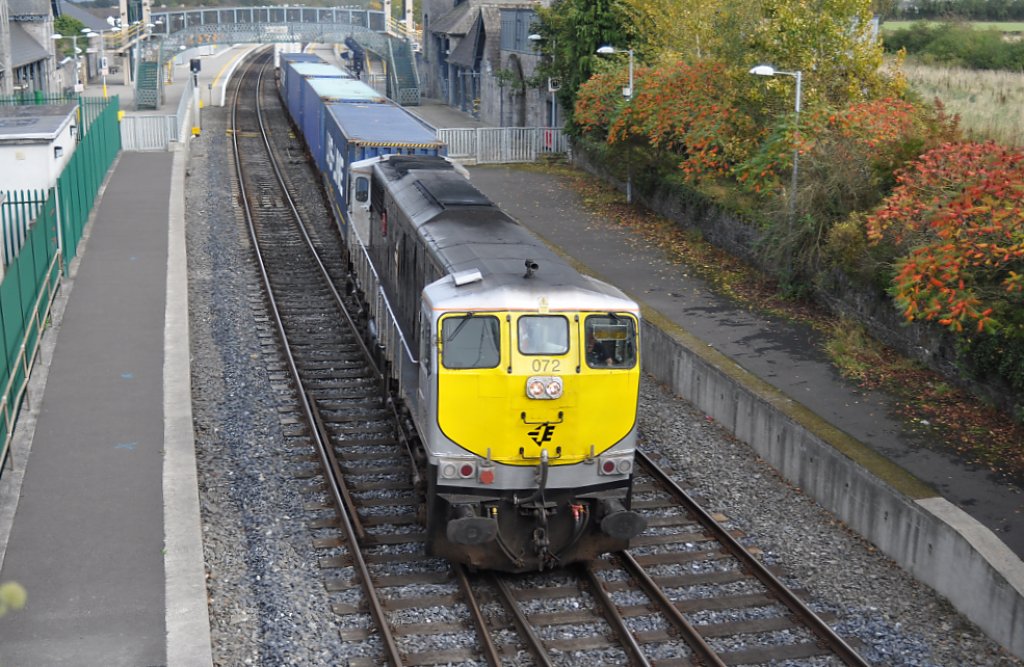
x=542 y=530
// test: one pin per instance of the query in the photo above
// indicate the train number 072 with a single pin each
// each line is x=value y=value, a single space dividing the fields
x=546 y=365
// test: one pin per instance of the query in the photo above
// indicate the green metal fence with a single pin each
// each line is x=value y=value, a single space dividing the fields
x=18 y=210
x=78 y=184
x=51 y=223
x=37 y=97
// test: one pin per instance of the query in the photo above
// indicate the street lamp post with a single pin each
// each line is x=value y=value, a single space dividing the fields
x=552 y=88
x=74 y=47
x=103 y=68
x=627 y=92
x=768 y=70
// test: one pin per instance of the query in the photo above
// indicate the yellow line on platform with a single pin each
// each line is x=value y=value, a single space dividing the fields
x=225 y=67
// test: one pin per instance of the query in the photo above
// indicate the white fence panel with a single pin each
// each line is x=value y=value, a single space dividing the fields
x=148 y=133
x=492 y=145
x=461 y=142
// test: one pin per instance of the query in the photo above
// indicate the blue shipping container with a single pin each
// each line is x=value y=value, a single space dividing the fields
x=299 y=58
x=317 y=93
x=354 y=132
x=283 y=71
x=296 y=75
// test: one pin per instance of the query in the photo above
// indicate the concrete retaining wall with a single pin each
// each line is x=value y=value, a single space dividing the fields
x=929 y=537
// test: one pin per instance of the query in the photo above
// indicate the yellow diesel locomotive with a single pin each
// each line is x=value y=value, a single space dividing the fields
x=520 y=374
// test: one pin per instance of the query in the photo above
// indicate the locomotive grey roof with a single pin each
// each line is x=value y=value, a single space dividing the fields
x=448 y=192
x=466 y=231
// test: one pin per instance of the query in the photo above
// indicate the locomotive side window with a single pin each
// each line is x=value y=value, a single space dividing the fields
x=362 y=189
x=543 y=334
x=470 y=341
x=610 y=341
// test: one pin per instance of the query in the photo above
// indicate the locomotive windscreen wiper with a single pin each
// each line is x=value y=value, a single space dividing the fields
x=458 y=327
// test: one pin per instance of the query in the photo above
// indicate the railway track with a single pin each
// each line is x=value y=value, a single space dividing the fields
x=688 y=593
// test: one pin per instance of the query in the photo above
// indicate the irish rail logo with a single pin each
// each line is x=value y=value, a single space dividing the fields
x=542 y=434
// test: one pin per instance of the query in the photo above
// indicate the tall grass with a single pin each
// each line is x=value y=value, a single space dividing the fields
x=990 y=103
x=1004 y=26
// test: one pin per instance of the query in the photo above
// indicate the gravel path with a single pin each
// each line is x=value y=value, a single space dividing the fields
x=267 y=605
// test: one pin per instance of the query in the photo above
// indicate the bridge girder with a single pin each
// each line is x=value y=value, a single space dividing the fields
x=329 y=33
x=274 y=20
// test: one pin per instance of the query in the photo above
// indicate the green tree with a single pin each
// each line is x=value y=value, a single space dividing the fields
x=66 y=25
x=572 y=30
x=831 y=41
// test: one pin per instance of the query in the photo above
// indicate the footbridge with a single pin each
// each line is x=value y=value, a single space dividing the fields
x=373 y=44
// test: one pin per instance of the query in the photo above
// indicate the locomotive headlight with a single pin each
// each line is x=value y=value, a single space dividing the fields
x=544 y=387
x=449 y=471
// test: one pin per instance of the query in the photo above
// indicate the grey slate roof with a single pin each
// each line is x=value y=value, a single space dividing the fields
x=456 y=22
x=464 y=54
x=25 y=49
x=35 y=122
x=461 y=18
x=88 y=19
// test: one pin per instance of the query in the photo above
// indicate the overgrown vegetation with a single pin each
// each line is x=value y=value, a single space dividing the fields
x=989 y=104
x=958 y=45
x=951 y=417
x=975 y=10
x=865 y=179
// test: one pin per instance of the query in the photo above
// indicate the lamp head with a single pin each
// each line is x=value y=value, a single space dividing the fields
x=536 y=37
x=763 y=70
x=606 y=50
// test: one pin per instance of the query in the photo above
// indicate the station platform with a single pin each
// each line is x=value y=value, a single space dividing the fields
x=99 y=516
x=99 y=507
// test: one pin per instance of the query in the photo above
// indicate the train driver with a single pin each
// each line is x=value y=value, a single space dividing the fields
x=543 y=334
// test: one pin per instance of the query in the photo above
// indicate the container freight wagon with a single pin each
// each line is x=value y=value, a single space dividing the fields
x=295 y=75
x=284 y=70
x=354 y=132
x=317 y=94
x=298 y=57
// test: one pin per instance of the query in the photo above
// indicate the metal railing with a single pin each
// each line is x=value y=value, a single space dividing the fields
x=388 y=332
x=18 y=210
x=157 y=133
x=148 y=133
x=19 y=369
x=496 y=145
x=50 y=241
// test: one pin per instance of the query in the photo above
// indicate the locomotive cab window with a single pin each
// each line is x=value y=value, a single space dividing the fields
x=470 y=341
x=610 y=341
x=543 y=334
x=362 y=189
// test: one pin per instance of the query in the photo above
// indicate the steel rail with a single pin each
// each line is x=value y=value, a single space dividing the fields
x=534 y=643
x=367 y=355
x=489 y=650
x=822 y=630
x=616 y=620
x=373 y=599
x=705 y=655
